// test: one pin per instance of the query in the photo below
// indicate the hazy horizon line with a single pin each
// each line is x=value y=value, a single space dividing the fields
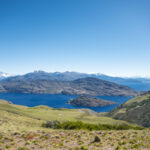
x=96 y=73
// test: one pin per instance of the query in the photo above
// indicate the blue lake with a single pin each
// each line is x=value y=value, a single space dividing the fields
x=57 y=101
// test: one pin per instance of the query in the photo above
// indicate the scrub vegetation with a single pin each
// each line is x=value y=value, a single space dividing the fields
x=25 y=128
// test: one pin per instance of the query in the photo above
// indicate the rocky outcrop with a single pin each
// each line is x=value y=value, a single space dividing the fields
x=89 y=101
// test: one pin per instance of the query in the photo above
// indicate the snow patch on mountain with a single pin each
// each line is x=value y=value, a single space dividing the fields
x=4 y=75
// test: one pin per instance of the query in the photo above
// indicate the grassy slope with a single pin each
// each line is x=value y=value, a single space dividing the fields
x=20 y=129
x=16 y=117
x=135 y=110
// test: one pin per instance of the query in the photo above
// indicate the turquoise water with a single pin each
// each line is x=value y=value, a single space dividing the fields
x=57 y=101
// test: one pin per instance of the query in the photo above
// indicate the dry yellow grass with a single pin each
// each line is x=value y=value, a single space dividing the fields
x=20 y=129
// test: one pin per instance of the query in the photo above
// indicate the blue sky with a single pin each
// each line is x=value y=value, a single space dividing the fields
x=106 y=36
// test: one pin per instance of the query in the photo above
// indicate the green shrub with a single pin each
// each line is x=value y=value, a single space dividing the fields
x=23 y=148
x=69 y=125
x=51 y=124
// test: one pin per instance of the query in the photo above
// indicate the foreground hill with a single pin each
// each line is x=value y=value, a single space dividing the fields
x=20 y=129
x=21 y=117
x=88 y=86
x=136 y=110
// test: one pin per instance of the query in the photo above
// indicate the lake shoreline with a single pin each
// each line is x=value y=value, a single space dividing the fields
x=57 y=100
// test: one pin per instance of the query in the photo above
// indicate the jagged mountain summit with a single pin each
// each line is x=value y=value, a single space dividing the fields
x=42 y=75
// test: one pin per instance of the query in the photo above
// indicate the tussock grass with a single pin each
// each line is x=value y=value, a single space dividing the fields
x=21 y=129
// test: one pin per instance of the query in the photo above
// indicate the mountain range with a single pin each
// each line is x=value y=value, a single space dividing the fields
x=138 y=84
x=83 y=86
x=135 y=110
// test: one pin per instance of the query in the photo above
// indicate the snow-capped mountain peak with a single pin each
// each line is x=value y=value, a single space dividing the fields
x=4 y=75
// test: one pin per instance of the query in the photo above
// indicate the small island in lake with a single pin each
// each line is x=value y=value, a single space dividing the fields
x=89 y=101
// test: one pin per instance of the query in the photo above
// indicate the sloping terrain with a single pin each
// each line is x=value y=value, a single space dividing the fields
x=75 y=140
x=88 y=86
x=14 y=117
x=20 y=129
x=136 y=110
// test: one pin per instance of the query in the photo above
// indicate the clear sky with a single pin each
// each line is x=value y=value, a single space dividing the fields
x=106 y=36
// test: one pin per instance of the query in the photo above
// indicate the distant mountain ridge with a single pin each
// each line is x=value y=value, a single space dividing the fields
x=62 y=76
x=138 y=84
x=89 y=86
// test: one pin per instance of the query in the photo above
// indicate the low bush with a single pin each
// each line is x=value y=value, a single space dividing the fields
x=69 y=125
x=51 y=124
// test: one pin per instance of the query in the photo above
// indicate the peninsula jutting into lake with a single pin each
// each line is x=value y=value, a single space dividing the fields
x=89 y=101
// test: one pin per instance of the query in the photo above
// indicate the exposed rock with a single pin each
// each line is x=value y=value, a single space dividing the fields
x=96 y=139
x=89 y=101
